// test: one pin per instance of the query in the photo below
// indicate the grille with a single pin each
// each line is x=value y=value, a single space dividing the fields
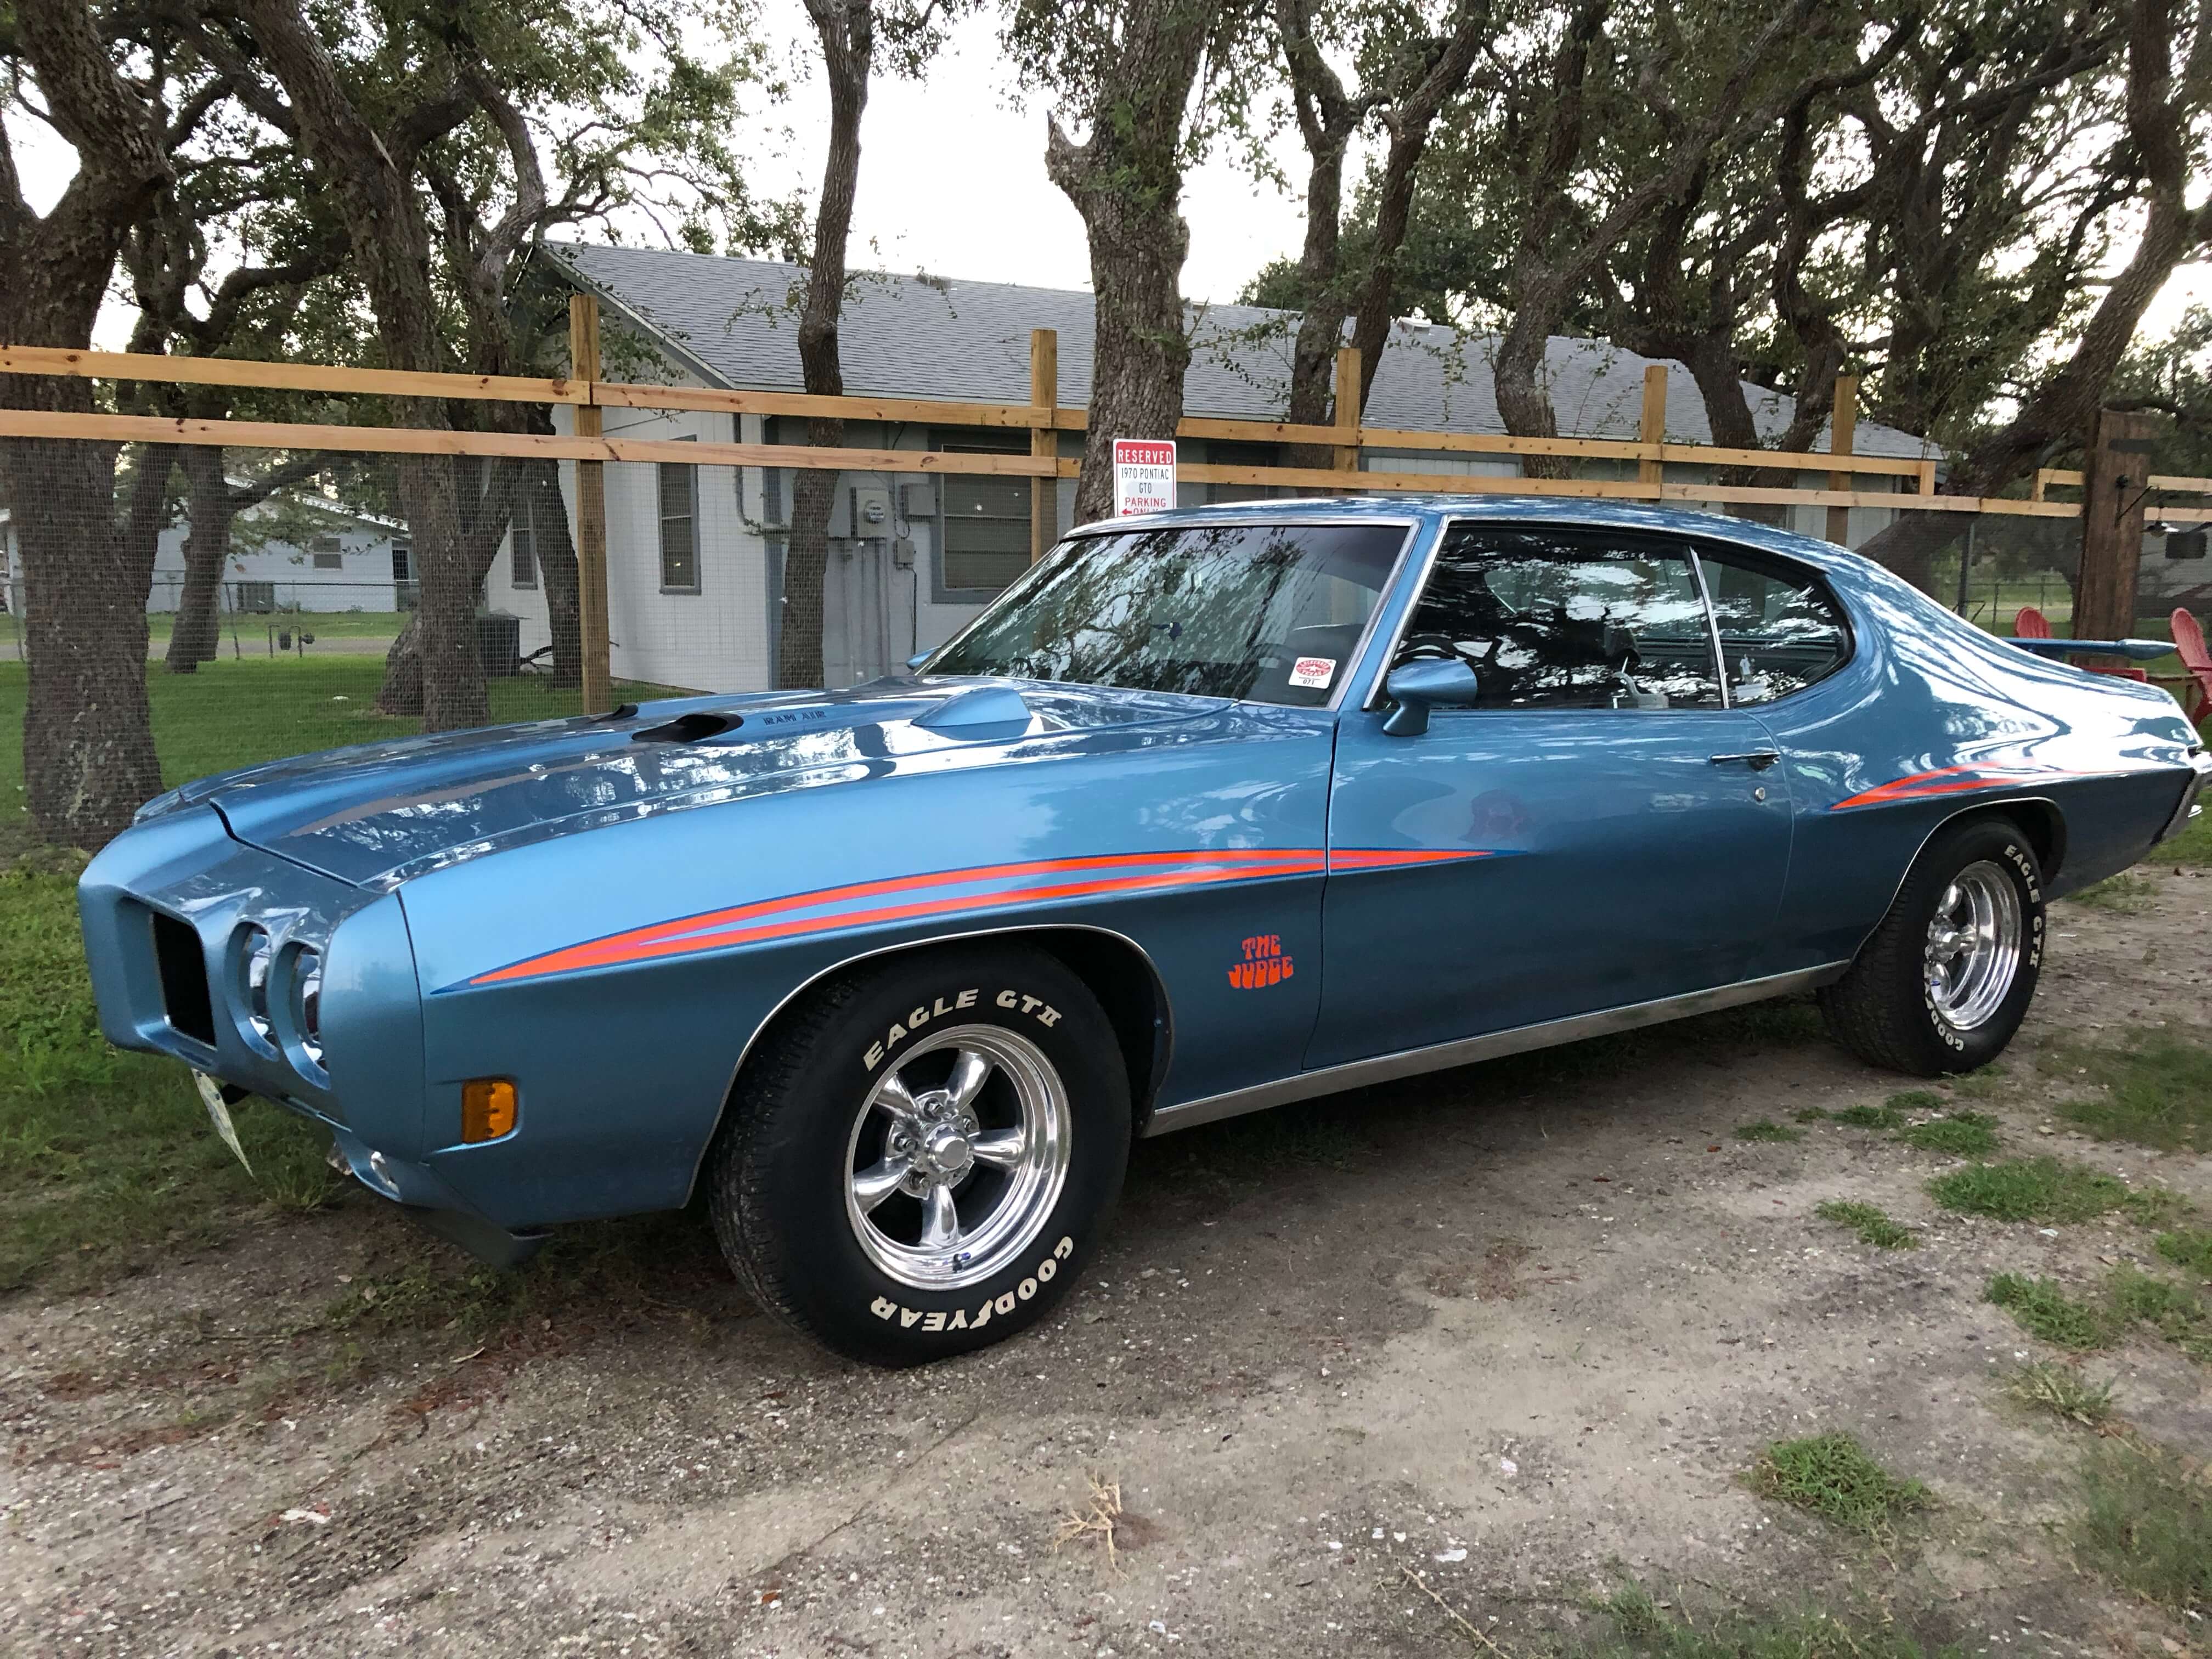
x=183 y=966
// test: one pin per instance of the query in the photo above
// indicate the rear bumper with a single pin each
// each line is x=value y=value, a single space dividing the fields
x=2200 y=774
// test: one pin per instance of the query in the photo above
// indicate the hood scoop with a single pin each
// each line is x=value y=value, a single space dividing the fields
x=989 y=712
x=695 y=727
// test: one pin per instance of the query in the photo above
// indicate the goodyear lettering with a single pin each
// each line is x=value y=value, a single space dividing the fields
x=965 y=999
x=1005 y=998
x=993 y=1307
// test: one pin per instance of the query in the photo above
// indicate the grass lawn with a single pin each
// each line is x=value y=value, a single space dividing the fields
x=106 y=1160
x=253 y=627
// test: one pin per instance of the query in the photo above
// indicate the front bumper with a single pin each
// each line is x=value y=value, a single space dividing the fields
x=432 y=1205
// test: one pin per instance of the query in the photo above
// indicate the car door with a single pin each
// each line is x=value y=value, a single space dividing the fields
x=1600 y=829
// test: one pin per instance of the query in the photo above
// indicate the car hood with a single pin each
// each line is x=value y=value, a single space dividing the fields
x=381 y=813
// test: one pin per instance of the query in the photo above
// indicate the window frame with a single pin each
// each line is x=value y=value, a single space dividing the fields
x=661 y=518
x=522 y=532
x=1698 y=548
x=1198 y=519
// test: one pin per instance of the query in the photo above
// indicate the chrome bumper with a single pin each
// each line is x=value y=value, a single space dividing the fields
x=2200 y=774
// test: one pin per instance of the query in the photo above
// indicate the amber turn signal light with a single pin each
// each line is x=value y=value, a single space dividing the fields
x=487 y=1107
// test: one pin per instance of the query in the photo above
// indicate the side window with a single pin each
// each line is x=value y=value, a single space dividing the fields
x=1780 y=631
x=1567 y=619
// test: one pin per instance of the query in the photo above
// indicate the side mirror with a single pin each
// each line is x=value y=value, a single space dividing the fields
x=1419 y=685
x=919 y=658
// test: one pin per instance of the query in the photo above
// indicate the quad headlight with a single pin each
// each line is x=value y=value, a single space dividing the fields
x=257 y=955
x=307 y=1002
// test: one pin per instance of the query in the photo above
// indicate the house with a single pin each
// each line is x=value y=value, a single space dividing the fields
x=695 y=553
x=296 y=552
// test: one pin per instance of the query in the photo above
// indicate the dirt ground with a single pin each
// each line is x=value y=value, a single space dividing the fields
x=1520 y=1329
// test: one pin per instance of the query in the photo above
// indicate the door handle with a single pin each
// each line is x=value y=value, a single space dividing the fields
x=1758 y=760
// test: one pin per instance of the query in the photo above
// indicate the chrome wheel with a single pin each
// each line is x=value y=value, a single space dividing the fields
x=957 y=1157
x=1972 y=953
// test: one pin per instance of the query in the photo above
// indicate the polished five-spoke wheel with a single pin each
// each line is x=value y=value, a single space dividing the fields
x=1945 y=981
x=1973 y=945
x=958 y=1155
x=923 y=1156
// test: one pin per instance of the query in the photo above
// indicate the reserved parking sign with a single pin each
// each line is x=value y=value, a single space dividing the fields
x=1144 y=476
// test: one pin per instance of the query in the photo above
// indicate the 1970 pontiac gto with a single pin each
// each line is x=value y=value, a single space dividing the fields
x=1209 y=811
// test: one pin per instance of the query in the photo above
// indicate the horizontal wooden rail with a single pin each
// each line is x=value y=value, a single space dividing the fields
x=398 y=383
x=285 y=377
x=418 y=440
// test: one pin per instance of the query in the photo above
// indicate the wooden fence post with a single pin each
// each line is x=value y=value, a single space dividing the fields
x=1652 y=428
x=2115 y=478
x=1347 y=409
x=597 y=664
x=1843 y=438
x=1044 y=440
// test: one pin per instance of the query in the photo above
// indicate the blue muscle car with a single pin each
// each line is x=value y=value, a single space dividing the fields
x=1211 y=810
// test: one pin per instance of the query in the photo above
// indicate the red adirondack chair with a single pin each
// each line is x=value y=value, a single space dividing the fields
x=2189 y=641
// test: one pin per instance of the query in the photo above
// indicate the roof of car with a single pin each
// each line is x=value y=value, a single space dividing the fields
x=1548 y=509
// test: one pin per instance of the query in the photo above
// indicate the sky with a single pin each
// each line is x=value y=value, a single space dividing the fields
x=952 y=182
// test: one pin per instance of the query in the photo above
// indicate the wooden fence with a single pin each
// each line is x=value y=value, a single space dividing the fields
x=1909 y=483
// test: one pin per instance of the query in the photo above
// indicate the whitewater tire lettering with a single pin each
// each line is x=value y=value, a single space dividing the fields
x=938 y=1007
x=960 y=1319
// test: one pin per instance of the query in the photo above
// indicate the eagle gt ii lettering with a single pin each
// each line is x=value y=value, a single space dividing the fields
x=893 y=975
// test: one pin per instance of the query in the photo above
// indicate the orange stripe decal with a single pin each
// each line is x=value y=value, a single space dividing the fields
x=1951 y=781
x=1364 y=858
x=1040 y=880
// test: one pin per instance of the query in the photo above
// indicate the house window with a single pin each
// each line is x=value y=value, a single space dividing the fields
x=402 y=558
x=679 y=527
x=328 y=553
x=987 y=518
x=522 y=548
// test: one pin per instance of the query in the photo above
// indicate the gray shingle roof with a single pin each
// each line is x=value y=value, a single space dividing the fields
x=735 y=322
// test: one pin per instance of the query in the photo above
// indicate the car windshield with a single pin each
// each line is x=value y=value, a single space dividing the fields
x=1261 y=613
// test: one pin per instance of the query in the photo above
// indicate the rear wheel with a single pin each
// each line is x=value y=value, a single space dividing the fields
x=920 y=1159
x=1947 y=977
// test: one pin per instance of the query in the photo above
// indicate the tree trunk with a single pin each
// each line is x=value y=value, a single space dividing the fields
x=197 y=631
x=89 y=757
x=555 y=547
x=433 y=669
x=1125 y=180
x=847 y=31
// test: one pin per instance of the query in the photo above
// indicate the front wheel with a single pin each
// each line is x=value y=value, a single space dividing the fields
x=1946 y=979
x=921 y=1157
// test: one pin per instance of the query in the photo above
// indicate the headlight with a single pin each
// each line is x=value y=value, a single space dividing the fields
x=257 y=952
x=307 y=1002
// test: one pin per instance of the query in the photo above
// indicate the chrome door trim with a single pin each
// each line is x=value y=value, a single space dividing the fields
x=1712 y=628
x=1412 y=1062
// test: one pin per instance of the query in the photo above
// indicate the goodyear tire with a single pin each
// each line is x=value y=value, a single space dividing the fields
x=1946 y=980
x=920 y=1157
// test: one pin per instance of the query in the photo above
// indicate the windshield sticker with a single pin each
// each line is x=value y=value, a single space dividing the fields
x=1315 y=672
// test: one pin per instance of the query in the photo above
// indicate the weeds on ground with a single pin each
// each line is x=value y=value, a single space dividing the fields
x=2145 y=1523
x=2044 y=1189
x=2062 y=1391
x=1766 y=1130
x=2190 y=1247
x=1871 y=1117
x=1870 y=1224
x=1834 y=1477
x=1985 y=1085
x=2128 y=895
x=2155 y=1089
x=2174 y=1311
x=2042 y=1309
x=1962 y=1134
x=1643 y=1626
x=1810 y=1115
x=2129 y=1298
